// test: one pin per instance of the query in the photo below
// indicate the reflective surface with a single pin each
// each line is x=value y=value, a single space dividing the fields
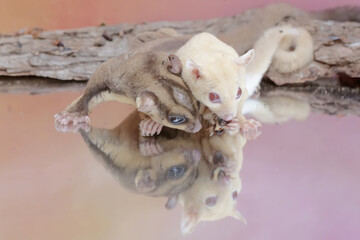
x=299 y=179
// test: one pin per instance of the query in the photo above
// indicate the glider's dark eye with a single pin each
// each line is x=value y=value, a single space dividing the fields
x=177 y=119
x=175 y=172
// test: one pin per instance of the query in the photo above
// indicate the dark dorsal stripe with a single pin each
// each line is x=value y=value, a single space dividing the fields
x=171 y=85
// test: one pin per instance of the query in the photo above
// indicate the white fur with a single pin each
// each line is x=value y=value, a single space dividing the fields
x=217 y=64
x=252 y=82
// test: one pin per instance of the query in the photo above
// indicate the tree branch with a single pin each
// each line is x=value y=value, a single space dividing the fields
x=75 y=54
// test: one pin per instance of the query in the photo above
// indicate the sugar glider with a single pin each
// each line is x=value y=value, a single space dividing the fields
x=163 y=173
x=215 y=73
x=148 y=80
x=222 y=81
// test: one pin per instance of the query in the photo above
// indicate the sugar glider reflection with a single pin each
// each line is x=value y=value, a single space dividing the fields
x=144 y=167
x=198 y=172
x=214 y=193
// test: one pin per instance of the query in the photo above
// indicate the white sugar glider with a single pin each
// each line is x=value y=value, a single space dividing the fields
x=222 y=80
x=215 y=73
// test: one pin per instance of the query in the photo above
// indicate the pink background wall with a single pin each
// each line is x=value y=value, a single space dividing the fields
x=58 y=14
